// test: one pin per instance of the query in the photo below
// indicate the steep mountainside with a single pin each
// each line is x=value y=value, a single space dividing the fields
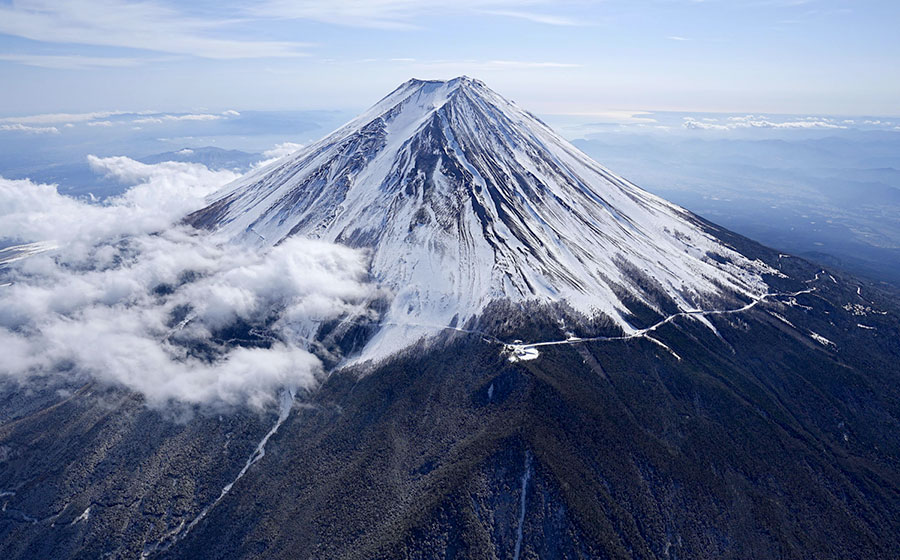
x=464 y=198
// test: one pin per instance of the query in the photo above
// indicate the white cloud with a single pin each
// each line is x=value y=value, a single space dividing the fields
x=162 y=194
x=69 y=62
x=751 y=121
x=100 y=118
x=158 y=119
x=146 y=25
x=29 y=129
x=281 y=150
x=545 y=19
x=53 y=118
x=531 y=64
x=467 y=66
x=277 y=152
x=692 y=123
x=108 y=320
x=397 y=14
x=132 y=298
x=677 y=38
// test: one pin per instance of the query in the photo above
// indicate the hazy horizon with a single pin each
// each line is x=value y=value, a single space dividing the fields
x=773 y=56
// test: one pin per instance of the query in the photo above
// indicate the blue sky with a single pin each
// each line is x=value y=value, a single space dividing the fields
x=570 y=57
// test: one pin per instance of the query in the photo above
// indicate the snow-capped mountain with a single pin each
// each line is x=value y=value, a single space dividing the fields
x=462 y=198
x=760 y=422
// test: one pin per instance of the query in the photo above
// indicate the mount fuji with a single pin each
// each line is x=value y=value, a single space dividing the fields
x=695 y=394
x=463 y=198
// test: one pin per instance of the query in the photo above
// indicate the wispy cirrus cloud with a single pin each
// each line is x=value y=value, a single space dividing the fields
x=146 y=25
x=70 y=62
x=474 y=65
x=53 y=118
x=277 y=152
x=398 y=14
x=534 y=17
x=530 y=64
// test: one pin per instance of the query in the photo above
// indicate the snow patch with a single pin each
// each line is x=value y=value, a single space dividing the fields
x=85 y=515
x=822 y=340
x=21 y=252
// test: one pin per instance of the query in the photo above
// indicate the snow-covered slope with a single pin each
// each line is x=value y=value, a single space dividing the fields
x=462 y=197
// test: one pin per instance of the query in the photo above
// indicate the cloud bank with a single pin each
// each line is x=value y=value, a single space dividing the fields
x=29 y=129
x=277 y=152
x=751 y=121
x=46 y=123
x=131 y=298
x=399 y=14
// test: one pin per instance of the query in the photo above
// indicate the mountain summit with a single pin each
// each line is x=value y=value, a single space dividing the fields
x=464 y=198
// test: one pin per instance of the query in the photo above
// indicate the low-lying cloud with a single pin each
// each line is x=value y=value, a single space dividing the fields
x=169 y=118
x=277 y=152
x=29 y=129
x=130 y=297
x=48 y=123
x=752 y=121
